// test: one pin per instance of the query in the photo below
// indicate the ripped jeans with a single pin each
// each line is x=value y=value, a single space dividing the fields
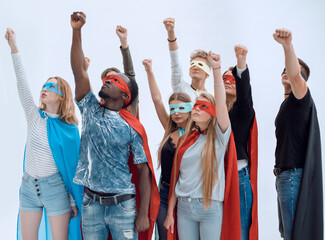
x=99 y=220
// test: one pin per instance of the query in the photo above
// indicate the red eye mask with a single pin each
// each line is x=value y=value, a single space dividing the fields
x=120 y=84
x=229 y=78
x=206 y=107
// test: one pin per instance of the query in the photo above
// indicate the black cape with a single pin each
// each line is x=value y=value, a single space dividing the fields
x=308 y=221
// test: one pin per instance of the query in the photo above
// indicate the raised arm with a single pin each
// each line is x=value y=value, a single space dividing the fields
x=170 y=27
x=24 y=93
x=297 y=83
x=243 y=87
x=122 y=33
x=177 y=73
x=219 y=91
x=155 y=93
x=78 y=63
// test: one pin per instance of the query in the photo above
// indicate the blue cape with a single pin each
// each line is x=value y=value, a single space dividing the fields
x=64 y=142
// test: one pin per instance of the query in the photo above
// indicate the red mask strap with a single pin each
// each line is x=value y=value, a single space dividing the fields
x=229 y=78
x=206 y=107
x=120 y=84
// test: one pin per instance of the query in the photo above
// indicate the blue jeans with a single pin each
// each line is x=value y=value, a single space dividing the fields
x=98 y=220
x=287 y=187
x=246 y=202
x=162 y=231
x=194 y=222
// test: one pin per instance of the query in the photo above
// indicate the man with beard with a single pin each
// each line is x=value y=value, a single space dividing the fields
x=109 y=133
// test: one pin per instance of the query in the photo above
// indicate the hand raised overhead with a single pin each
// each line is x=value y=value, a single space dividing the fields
x=283 y=36
x=121 y=32
x=78 y=19
x=169 y=24
x=214 y=60
x=10 y=36
x=241 y=54
x=147 y=63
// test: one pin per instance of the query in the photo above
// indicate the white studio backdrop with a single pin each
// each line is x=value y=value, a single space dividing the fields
x=44 y=40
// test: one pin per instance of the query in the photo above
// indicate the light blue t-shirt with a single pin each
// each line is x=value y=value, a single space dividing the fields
x=189 y=183
x=105 y=145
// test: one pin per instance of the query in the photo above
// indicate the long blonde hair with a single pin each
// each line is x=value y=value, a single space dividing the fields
x=230 y=100
x=171 y=126
x=66 y=108
x=209 y=162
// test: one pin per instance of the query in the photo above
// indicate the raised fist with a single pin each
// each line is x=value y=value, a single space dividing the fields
x=147 y=63
x=121 y=32
x=10 y=36
x=283 y=36
x=169 y=24
x=78 y=19
x=241 y=51
x=214 y=60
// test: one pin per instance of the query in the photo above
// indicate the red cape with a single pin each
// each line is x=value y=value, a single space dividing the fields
x=155 y=198
x=252 y=148
x=231 y=205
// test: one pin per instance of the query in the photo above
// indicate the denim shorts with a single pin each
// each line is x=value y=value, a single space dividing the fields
x=49 y=192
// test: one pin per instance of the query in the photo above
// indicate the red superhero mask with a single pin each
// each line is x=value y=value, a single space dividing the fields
x=120 y=84
x=229 y=78
x=206 y=107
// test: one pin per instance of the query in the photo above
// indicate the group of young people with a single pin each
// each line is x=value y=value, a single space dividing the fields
x=102 y=185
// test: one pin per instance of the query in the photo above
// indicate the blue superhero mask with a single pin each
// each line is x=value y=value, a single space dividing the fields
x=53 y=87
x=180 y=107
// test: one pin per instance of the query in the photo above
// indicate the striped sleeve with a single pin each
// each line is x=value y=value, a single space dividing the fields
x=24 y=92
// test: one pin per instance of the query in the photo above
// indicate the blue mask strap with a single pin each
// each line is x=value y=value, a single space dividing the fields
x=184 y=107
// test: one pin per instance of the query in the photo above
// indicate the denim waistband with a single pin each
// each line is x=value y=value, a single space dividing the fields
x=28 y=177
x=244 y=172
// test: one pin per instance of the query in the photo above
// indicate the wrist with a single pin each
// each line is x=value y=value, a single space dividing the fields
x=241 y=64
x=214 y=68
x=14 y=49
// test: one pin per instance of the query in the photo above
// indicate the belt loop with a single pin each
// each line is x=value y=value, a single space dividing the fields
x=246 y=171
x=115 y=200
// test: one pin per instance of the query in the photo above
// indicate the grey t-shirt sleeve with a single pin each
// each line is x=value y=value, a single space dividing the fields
x=139 y=155
x=223 y=137
x=88 y=101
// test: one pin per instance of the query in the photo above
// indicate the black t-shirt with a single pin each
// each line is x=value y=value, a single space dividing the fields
x=242 y=113
x=167 y=159
x=291 y=131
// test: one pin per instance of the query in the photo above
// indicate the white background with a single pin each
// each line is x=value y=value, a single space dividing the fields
x=44 y=40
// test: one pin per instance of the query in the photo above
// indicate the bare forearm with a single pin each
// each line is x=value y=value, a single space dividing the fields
x=171 y=204
x=14 y=48
x=220 y=98
x=291 y=62
x=172 y=45
x=144 y=189
x=154 y=90
x=77 y=55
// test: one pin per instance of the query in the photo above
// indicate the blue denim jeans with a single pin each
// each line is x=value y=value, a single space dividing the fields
x=194 y=222
x=287 y=186
x=98 y=220
x=246 y=202
x=162 y=232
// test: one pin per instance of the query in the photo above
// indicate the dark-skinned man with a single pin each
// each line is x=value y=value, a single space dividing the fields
x=109 y=134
